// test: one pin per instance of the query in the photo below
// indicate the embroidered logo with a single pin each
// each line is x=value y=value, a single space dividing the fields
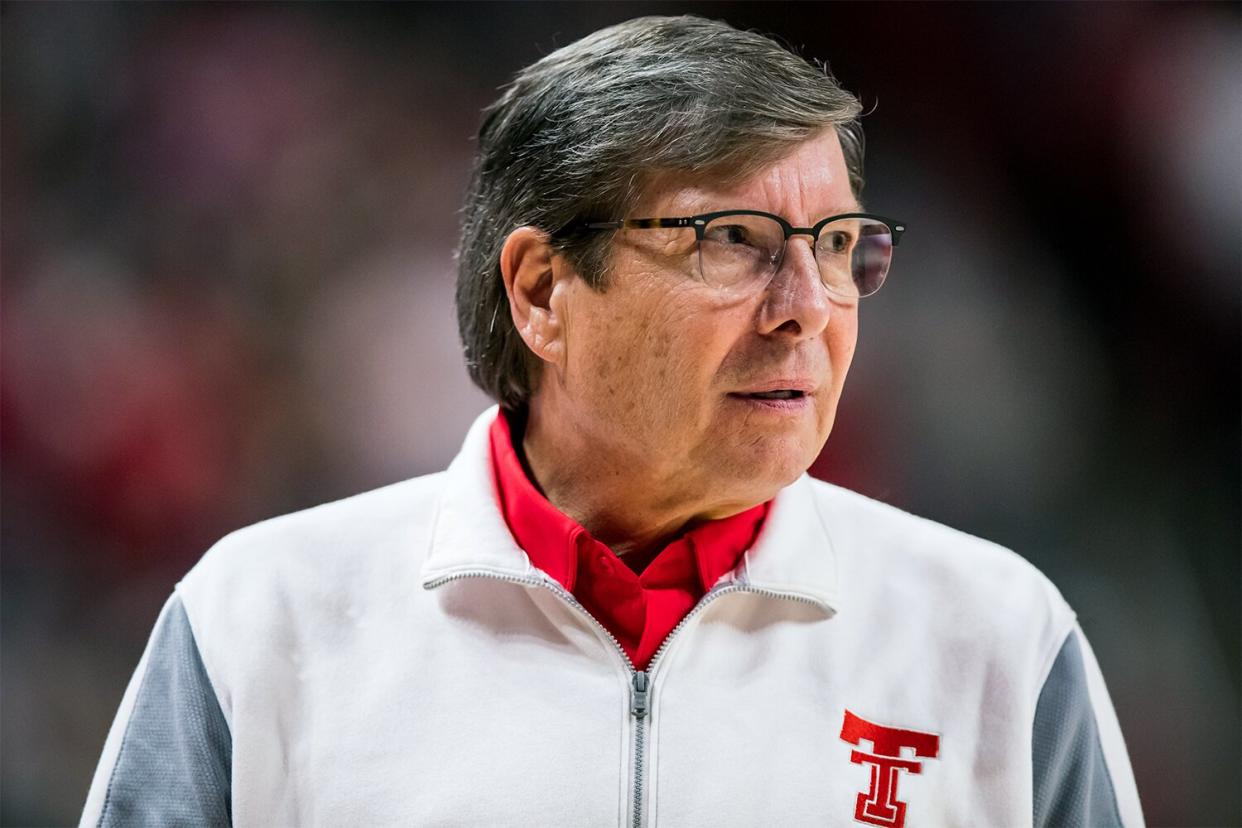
x=880 y=805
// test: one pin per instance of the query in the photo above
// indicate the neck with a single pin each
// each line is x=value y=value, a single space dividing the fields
x=625 y=502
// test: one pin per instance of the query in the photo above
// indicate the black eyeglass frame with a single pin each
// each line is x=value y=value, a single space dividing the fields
x=699 y=223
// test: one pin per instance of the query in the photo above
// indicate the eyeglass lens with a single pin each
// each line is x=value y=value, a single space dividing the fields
x=853 y=254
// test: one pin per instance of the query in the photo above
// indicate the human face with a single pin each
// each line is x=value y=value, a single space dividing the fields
x=659 y=370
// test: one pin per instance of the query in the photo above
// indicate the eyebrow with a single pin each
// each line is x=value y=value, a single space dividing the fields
x=835 y=211
x=856 y=207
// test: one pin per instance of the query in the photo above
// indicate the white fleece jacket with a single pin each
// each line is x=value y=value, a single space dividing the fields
x=394 y=659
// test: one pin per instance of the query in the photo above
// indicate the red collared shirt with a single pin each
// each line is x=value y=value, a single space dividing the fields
x=639 y=609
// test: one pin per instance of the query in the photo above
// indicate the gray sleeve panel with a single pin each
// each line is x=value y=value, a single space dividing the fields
x=175 y=762
x=1072 y=784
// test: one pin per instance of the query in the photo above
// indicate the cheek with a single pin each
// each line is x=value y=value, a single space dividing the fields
x=660 y=368
x=620 y=358
x=661 y=358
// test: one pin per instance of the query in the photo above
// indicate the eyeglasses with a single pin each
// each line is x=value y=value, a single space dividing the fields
x=743 y=249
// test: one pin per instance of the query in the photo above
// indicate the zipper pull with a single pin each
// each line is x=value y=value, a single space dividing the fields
x=638 y=702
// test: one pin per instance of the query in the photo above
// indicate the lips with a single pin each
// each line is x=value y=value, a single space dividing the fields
x=785 y=394
x=778 y=389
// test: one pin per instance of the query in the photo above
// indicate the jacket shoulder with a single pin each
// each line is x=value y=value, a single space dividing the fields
x=952 y=577
x=292 y=585
x=855 y=518
x=341 y=535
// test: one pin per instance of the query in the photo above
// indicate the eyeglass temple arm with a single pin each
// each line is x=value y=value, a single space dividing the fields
x=641 y=224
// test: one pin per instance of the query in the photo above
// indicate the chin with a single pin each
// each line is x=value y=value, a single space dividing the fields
x=764 y=469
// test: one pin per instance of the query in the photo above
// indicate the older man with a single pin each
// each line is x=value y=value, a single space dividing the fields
x=625 y=602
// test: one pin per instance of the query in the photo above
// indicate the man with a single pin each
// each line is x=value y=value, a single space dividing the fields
x=625 y=602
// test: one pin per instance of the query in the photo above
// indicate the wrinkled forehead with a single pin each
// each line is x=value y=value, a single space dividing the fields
x=808 y=178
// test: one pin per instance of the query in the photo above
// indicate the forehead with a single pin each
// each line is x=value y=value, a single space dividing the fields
x=809 y=182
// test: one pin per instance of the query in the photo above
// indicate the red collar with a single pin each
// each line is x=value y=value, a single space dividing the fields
x=562 y=548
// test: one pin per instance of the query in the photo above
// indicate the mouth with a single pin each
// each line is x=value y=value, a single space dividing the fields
x=780 y=394
x=783 y=400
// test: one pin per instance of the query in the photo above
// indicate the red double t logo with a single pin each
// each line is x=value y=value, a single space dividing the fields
x=880 y=806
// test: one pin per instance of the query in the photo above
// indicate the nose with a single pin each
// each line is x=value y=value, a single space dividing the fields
x=796 y=303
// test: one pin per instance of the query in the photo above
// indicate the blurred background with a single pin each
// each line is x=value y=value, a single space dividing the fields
x=227 y=294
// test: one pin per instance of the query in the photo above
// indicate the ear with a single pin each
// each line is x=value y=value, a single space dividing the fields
x=531 y=269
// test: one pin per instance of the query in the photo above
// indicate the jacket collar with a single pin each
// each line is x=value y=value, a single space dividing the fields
x=793 y=556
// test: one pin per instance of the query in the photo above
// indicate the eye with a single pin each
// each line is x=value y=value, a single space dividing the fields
x=836 y=241
x=729 y=234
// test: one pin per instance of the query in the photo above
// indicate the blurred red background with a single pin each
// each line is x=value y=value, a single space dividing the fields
x=227 y=294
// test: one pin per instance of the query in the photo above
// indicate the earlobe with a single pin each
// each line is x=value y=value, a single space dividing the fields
x=529 y=268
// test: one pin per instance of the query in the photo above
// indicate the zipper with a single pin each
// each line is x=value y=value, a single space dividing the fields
x=638 y=709
x=640 y=680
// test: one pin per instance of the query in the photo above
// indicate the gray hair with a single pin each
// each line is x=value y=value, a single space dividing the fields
x=577 y=136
